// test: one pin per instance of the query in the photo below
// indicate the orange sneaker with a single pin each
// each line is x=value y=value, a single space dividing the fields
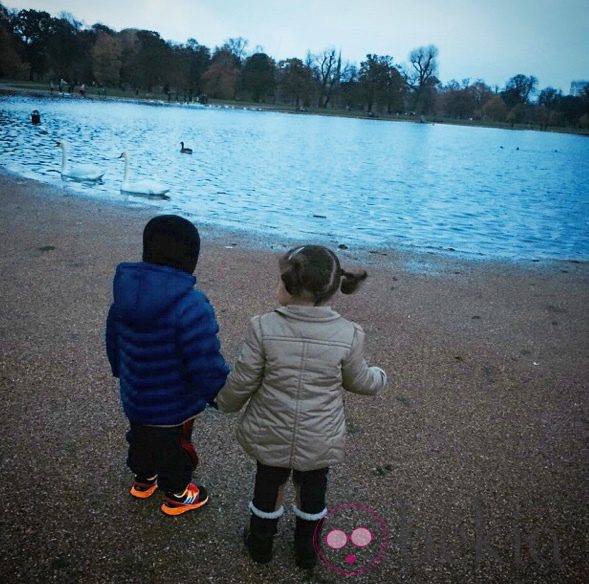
x=194 y=497
x=143 y=488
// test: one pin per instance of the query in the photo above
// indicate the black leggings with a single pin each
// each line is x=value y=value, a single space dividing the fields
x=311 y=486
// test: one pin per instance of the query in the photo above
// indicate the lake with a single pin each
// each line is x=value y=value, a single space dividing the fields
x=369 y=184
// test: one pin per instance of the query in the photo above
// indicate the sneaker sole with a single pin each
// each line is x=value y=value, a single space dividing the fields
x=143 y=494
x=183 y=508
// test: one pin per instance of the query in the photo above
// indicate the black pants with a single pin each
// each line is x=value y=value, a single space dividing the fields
x=311 y=488
x=166 y=452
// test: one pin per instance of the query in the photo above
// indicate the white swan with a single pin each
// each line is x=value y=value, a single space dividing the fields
x=140 y=187
x=79 y=172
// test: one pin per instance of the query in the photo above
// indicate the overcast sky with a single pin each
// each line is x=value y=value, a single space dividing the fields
x=488 y=39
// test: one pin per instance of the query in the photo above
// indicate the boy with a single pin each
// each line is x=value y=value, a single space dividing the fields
x=161 y=341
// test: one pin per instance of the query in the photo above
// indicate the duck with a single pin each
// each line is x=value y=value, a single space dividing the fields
x=185 y=150
x=79 y=172
x=141 y=187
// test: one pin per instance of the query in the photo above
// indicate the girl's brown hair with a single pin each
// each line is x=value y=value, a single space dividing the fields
x=315 y=271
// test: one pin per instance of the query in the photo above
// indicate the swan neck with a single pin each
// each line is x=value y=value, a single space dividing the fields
x=63 y=158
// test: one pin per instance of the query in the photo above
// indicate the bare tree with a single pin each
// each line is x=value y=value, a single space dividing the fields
x=422 y=78
x=425 y=65
x=327 y=69
x=237 y=47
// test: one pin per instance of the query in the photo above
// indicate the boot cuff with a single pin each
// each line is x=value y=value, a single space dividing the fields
x=264 y=514
x=309 y=516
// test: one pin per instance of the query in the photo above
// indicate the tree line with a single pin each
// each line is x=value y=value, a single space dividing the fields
x=39 y=47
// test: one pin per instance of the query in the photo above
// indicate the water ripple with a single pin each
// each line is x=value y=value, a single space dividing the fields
x=356 y=182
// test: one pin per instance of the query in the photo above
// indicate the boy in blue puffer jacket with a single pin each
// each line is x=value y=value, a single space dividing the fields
x=162 y=344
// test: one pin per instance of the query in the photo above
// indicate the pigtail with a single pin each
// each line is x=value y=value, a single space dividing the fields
x=351 y=281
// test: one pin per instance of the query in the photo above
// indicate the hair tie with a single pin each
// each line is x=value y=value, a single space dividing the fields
x=294 y=252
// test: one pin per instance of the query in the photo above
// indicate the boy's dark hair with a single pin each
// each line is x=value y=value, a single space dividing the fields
x=316 y=271
x=170 y=240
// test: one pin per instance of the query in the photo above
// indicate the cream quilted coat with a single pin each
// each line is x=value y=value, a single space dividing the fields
x=293 y=368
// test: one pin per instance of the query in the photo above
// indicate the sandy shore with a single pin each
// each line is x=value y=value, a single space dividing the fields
x=475 y=457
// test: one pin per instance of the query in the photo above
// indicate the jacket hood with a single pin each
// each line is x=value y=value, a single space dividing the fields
x=143 y=292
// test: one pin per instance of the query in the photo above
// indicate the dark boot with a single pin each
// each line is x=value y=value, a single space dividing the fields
x=305 y=553
x=258 y=537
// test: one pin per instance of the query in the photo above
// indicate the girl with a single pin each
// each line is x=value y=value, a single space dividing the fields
x=293 y=367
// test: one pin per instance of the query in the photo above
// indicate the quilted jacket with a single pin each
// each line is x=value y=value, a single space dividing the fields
x=295 y=364
x=162 y=344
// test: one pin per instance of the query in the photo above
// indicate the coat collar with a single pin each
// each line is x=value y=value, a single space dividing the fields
x=308 y=313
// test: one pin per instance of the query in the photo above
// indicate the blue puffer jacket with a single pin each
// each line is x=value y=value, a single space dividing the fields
x=161 y=341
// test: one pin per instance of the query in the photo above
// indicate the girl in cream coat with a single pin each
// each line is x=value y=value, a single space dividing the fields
x=294 y=366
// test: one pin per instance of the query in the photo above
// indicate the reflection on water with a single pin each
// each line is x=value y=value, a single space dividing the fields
x=363 y=183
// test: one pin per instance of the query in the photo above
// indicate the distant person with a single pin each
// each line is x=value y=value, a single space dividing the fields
x=295 y=365
x=162 y=344
x=83 y=90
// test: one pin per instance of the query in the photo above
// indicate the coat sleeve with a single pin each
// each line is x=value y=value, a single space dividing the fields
x=248 y=373
x=112 y=349
x=357 y=376
x=200 y=348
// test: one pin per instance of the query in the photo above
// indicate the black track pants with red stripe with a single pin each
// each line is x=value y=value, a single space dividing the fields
x=167 y=452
